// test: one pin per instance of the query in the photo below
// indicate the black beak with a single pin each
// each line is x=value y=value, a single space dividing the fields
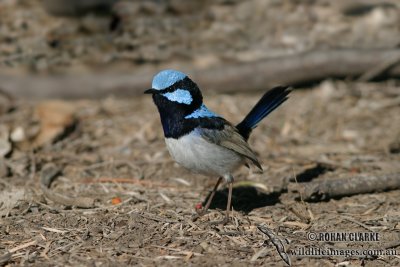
x=151 y=91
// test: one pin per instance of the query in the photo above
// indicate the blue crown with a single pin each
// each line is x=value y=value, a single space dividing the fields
x=166 y=78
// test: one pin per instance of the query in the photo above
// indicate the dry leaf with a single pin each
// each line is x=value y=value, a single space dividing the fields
x=55 y=117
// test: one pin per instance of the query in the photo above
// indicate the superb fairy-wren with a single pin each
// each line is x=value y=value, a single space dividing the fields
x=201 y=140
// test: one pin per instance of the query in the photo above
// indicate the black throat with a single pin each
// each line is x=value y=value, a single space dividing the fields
x=173 y=114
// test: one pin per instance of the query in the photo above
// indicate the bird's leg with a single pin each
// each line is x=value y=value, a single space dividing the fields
x=212 y=195
x=204 y=210
x=228 y=205
x=229 y=202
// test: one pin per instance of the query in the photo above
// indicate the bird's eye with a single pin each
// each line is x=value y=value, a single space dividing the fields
x=181 y=96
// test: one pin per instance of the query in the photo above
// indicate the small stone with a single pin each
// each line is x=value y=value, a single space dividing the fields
x=5 y=145
x=18 y=135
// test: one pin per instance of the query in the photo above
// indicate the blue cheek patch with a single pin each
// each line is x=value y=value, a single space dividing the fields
x=166 y=78
x=201 y=112
x=180 y=96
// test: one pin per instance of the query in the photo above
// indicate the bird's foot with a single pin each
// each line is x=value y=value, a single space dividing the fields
x=200 y=210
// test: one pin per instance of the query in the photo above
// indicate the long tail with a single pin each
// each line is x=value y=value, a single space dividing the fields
x=270 y=101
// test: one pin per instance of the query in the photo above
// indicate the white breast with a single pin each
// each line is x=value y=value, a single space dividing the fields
x=201 y=156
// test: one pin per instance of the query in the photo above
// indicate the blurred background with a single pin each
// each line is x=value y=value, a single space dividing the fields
x=85 y=177
x=103 y=47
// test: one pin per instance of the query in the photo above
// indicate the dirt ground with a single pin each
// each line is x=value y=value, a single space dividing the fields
x=90 y=182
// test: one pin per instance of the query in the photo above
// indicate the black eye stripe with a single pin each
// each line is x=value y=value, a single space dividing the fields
x=182 y=84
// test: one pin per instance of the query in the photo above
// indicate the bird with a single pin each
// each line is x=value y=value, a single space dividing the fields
x=201 y=140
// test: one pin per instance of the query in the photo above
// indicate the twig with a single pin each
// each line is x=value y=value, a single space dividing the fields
x=178 y=250
x=326 y=189
x=32 y=243
x=280 y=248
x=357 y=7
x=261 y=253
x=292 y=69
x=357 y=222
x=392 y=244
x=378 y=70
x=54 y=230
x=5 y=258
